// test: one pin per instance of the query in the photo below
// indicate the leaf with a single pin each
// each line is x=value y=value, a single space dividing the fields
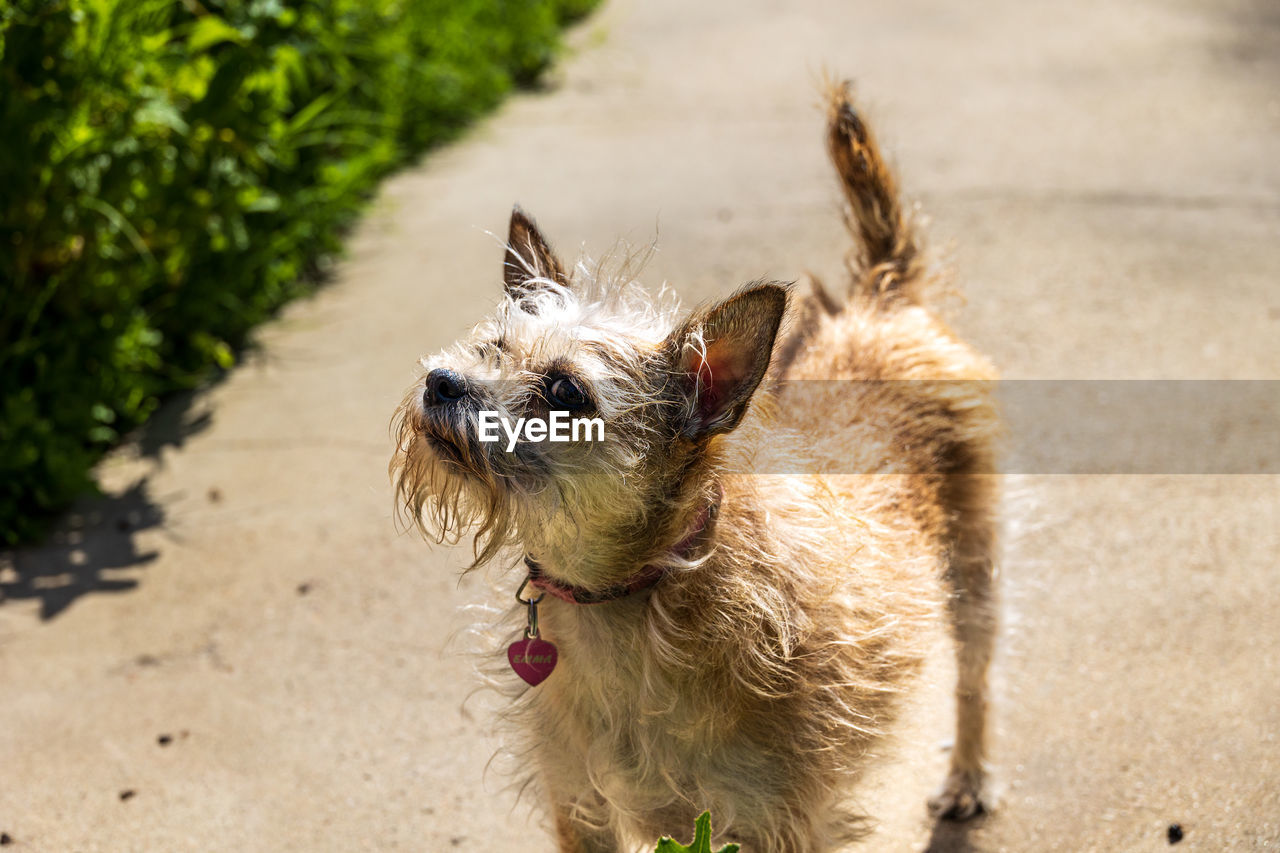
x=162 y=112
x=121 y=224
x=305 y=115
x=265 y=202
x=701 y=840
x=211 y=30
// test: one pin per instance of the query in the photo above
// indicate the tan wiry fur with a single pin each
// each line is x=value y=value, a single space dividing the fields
x=755 y=677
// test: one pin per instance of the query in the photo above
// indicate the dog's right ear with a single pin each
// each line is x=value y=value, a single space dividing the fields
x=721 y=355
x=529 y=257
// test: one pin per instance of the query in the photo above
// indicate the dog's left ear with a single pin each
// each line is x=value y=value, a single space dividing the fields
x=723 y=353
x=529 y=256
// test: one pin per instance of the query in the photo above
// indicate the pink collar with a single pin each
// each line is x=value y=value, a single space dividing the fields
x=648 y=575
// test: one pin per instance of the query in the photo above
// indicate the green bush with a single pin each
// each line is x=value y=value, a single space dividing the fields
x=171 y=170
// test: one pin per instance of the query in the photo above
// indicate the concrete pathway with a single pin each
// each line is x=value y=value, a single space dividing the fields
x=235 y=650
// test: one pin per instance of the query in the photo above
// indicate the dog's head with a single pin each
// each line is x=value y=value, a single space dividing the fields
x=579 y=419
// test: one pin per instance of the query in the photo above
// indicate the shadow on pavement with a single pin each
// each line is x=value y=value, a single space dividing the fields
x=93 y=547
x=85 y=554
x=948 y=836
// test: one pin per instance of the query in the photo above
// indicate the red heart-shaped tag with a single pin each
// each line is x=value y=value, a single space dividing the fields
x=532 y=659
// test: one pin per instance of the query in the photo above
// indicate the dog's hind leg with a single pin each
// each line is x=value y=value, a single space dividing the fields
x=970 y=498
x=888 y=272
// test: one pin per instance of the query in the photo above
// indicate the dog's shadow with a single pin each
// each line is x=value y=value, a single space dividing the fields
x=949 y=836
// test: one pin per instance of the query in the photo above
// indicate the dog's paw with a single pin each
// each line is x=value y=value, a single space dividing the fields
x=959 y=798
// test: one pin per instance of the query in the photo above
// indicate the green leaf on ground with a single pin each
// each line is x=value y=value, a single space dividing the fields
x=701 y=840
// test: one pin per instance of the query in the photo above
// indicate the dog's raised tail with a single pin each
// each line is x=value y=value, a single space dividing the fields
x=886 y=267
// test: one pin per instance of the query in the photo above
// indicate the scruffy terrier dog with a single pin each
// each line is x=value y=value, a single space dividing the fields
x=740 y=575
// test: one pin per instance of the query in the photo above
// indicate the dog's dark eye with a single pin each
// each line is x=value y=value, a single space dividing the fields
x=567 y=393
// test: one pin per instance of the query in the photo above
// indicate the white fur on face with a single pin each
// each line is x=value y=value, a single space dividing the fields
x=608 y=338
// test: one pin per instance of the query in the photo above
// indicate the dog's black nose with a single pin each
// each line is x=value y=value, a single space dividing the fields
x=444 y=386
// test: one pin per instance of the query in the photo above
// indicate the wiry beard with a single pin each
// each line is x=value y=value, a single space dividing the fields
x=446 y=484
x=449 y=484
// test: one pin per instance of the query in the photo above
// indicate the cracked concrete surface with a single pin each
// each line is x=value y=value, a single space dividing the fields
x=1107 y=179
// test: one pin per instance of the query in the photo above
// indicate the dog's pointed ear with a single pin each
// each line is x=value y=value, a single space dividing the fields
x=529 y=256
x=722 y=353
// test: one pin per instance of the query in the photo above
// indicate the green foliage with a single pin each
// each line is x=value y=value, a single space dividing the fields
x=701 y=840
x=171 y=172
